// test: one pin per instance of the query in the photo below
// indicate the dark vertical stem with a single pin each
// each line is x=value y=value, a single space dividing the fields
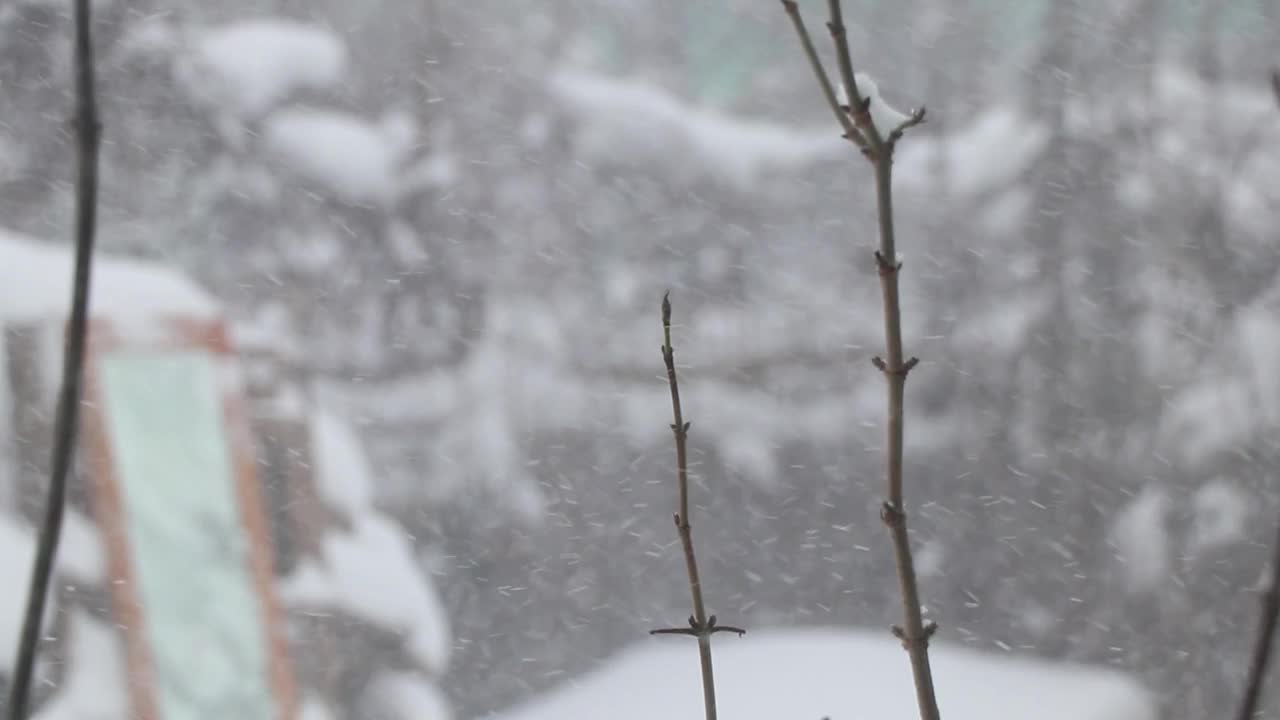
x=67 y=414
x=681 y=430
x=915 y=635
x=877 y=144
x=1270 y=599
x=1266 y=638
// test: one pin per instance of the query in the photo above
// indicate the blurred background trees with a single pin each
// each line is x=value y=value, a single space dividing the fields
x=457 y=219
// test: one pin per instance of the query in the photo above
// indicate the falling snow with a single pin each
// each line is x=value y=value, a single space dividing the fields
x=438 y=234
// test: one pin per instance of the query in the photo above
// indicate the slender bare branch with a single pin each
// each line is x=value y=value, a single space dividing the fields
x=1266 y=634
x=915 y=118
x=806 y=41
x=1270 y=598
x=700 y=626
x=67 y=415
x=895 y=366
x=844 y=62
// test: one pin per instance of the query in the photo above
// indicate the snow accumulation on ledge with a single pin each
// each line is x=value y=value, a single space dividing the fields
x=245 y=67
x=836 y=673
x=633 y=120
x=35 y=284
x=369 y=571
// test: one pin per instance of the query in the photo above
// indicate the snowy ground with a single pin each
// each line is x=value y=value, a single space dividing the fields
x=836 y=673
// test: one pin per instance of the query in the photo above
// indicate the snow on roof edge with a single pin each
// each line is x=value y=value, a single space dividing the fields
x=35 y=284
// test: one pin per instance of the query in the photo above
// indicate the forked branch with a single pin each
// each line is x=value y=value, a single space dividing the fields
x=877 y=145
x=66 y=419
x=701 y=626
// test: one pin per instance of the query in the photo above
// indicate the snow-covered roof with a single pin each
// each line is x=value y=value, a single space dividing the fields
x=815 y=673
x=358 y=160
x=245 y=67
x=370 y=571
x=95 y=685
x=35 y=284
x=634 y=121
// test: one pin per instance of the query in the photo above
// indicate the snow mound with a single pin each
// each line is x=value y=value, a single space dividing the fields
x=358 y=160
x=35 y=284
x=80 y=559
x=371 y=571
x=1236 y=394
x=988 y=154
x=633 y=121
x=409 y=697
x=315 y=709
x=342 y=471
x=94 y=686
x=246 y=67
x=836 y=673
x=1141 y=537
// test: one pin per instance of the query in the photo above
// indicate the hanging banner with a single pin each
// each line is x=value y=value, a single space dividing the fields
x=172 y=471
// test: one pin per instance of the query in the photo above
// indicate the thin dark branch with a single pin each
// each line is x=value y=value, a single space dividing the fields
x=861 y=116
x=696 y=630
x=700 y=626
x=67 y=415
x=1266 y=633
x=1270 y=598
x=815 y=62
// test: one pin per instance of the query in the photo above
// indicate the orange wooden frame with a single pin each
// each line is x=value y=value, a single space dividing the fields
x=178 y=333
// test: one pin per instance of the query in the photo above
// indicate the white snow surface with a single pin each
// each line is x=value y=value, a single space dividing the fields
x=989 y=153
x=1141 y=536
x=1236 y=393
x=635 y=121
x=94 y=687
x=79 y=559
x=342 y=471
x=80 y=550
x=358 y=160
x=245 y=67
x=35 y=284
x=370 y=571
x=314 y=709
x=408 y=696
x=816 y=673
x=885 y=116
x=17 y=552
x=1221 y=508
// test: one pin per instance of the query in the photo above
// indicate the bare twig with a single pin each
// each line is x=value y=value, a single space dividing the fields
x=914 y=633
x=1266 y=636
x=844 y=62
x=67 y=417
x=1270 y=599
x=700 y=626
x=842 y=113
